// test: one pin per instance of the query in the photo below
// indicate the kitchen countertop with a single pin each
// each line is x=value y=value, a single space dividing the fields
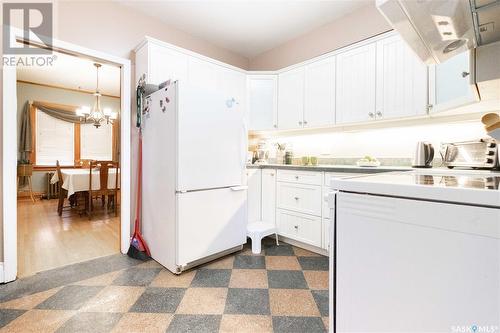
x=330 y=168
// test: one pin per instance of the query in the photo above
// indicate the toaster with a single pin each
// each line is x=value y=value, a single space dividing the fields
x=474 y=154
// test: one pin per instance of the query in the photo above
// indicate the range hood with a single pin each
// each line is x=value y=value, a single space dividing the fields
x=439 y=29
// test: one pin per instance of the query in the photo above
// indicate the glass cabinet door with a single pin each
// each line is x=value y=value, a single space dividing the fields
x=262 y=101
x=451 y=83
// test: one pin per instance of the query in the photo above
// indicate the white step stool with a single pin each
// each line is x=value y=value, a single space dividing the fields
x=258 y=230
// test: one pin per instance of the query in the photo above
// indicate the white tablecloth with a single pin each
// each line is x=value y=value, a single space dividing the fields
x=76 y=180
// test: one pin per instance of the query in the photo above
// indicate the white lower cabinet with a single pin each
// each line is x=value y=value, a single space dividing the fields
x=268 y=196
x=300 y=177
x=302 y=198
x=293 y=199
x=254 y=177
x=301 y=227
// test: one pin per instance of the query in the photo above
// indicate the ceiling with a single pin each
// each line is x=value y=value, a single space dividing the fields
x=73 y=73
x=249 y=27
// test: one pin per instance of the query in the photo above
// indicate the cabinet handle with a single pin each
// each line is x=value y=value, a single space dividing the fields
x=296 y=227
x=272 y=174
x=305 y=122
x=296 y=177
x=379 y=114
x=275 y=126
x=300 y=123
x=371 y=114
x=296 y=198
x=465 y=74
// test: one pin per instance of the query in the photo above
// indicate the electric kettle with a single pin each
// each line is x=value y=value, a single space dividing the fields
x=423 y=155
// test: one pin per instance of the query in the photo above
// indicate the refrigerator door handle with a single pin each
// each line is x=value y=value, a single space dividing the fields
x=239 y=188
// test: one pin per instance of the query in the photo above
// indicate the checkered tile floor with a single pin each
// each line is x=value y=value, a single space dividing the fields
x=283 y=290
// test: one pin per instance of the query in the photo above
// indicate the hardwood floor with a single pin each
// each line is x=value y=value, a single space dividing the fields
x=46 y=240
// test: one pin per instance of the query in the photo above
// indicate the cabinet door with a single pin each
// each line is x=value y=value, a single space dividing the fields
x=291 y=99
x=165 y=64
x=319 y=96
x=401 y=80
x=301 y=227
x=262 y=101
x=202 y=73
x=254 y=194
x=299 y=197
x=269 y=195
x=355 y=85
x=450 y=83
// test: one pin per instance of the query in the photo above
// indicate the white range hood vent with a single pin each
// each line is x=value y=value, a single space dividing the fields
x=435 y=29
x=440 y=29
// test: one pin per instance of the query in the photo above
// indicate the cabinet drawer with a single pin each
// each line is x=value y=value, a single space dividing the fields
x=300 y=227
x=300 y=198
x=331 y=175
x=301 y=177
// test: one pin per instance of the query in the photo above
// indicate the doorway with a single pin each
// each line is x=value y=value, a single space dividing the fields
x=59 y=221
x=74 y=223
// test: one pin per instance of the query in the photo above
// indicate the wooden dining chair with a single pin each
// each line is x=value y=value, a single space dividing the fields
x=62 y=192
x=84 y=163
x=104 y=167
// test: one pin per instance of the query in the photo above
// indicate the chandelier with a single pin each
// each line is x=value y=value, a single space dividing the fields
x=96 y=115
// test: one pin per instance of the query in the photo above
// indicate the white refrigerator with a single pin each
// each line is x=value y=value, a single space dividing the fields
x=194 y=182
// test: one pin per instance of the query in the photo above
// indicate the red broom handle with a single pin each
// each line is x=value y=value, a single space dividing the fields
x=139 y=187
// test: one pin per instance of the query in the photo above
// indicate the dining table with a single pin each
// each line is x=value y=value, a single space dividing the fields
x=77 y=179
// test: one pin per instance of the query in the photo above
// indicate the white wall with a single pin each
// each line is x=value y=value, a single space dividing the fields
x=358 y=25
x=396 y=142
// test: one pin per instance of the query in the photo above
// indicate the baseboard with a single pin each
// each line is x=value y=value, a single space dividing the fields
x=305 y=246
x=2 y=276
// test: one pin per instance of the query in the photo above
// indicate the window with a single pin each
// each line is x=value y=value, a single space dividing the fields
x=96 y=143
x=54 y=140
x=58 y=140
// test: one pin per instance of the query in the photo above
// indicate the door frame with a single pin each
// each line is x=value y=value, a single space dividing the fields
x=9 y=161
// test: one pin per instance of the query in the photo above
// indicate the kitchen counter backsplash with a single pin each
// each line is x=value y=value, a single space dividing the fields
x=400 y=162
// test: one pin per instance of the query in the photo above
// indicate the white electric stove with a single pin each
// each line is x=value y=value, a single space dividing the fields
x=416 y=251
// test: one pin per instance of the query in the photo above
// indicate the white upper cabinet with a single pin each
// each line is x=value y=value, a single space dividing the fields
x=202 y=73
x=355 y=84
x=401 y=80
x=450 y=83
x=319 y=96
x=291 y=99
x=165 y=64
x=262 y=101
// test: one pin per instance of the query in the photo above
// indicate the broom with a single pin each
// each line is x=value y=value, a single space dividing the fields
x=138 y=248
